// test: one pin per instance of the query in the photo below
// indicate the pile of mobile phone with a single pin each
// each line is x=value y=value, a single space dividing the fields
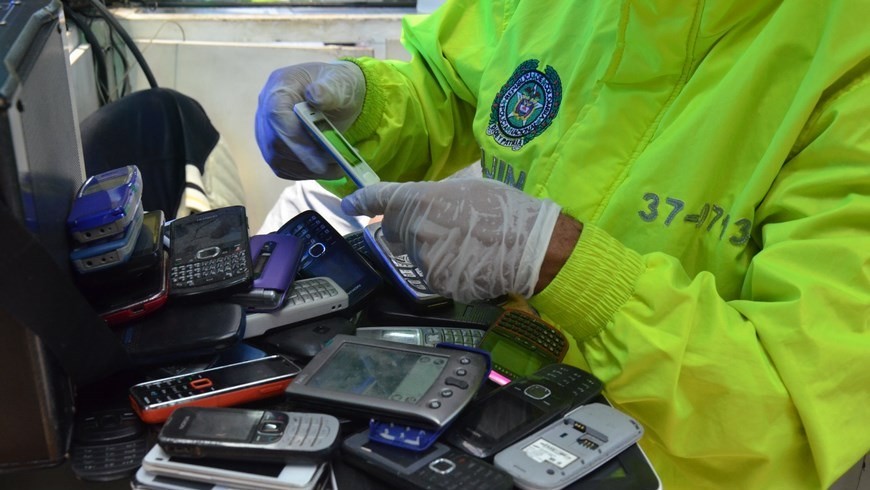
x=242 y=448
x=118 y=247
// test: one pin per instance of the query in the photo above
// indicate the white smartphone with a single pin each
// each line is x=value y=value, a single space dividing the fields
x=233 y=473
x=333 y=141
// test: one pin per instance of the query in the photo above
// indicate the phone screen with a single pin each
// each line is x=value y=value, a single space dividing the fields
x=223 y=425
x=338 y=142
x=379 y=373
x=204 y=236
x=503 y=413
x=510 y=356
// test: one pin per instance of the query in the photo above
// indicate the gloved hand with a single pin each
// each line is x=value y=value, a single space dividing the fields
x=337 y=88
x=473 y=238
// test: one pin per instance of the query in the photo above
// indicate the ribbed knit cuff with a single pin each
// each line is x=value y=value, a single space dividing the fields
x=375 y=100
x=596 y=280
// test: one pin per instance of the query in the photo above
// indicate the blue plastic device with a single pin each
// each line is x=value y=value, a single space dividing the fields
x=105 y=204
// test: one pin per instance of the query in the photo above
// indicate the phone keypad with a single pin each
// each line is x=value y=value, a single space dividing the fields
x=312 y=289
x=581 y=385
x=532 y=332
x=107 y=461
x=469 y=337
x=176 y=389
x=314 y=231
x=457 y=470
x=208 y=271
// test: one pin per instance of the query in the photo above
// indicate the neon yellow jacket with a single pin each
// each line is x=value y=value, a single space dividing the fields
x=718 y=154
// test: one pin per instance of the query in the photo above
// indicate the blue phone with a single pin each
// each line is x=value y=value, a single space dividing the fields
x=110 y=252
x=105 y=204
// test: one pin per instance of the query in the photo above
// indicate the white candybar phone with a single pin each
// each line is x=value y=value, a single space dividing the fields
x=558 y=455
x=333 y=141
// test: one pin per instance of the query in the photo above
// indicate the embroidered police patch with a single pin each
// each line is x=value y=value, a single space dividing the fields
x=525 y=106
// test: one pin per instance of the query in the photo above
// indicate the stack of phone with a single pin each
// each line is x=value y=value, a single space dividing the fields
x=242 y=449
x=119 y=259
x=105 y=219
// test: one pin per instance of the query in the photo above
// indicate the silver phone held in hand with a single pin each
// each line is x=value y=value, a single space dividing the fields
x=333 y=141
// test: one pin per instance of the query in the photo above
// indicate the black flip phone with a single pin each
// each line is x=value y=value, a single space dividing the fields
x=439 y=467
x=328 y=254
x=511 y=412
x=209 y=254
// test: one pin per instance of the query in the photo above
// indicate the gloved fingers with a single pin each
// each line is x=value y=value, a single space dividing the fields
x=371 y=200
x=338 y=91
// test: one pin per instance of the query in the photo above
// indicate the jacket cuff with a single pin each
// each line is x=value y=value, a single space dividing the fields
x=375 y=101
x=596 y=280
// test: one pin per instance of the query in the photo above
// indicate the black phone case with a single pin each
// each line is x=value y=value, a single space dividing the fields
x=183 y=331
x=304 y=341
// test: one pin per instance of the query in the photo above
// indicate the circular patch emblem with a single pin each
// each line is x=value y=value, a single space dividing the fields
x=525 y=106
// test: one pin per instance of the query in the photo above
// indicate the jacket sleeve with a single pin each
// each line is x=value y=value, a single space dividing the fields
x=417 y=115
x=776 y=382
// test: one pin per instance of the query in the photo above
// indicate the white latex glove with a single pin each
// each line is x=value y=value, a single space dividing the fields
x=337 y=88
x=473 y=238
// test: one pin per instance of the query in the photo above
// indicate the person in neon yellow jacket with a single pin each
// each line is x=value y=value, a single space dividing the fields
x=688 y=199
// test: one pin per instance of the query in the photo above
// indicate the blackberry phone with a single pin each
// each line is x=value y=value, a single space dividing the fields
x=209 y=253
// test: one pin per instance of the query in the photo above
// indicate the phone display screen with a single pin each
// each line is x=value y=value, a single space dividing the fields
x=513 y=357
x=224 y=426
x=195 y=238
x=105 y=185
x=338 y=142
x=379 y=373
x=503 y=414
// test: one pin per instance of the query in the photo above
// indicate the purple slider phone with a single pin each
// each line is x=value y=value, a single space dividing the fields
x=276 y=260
